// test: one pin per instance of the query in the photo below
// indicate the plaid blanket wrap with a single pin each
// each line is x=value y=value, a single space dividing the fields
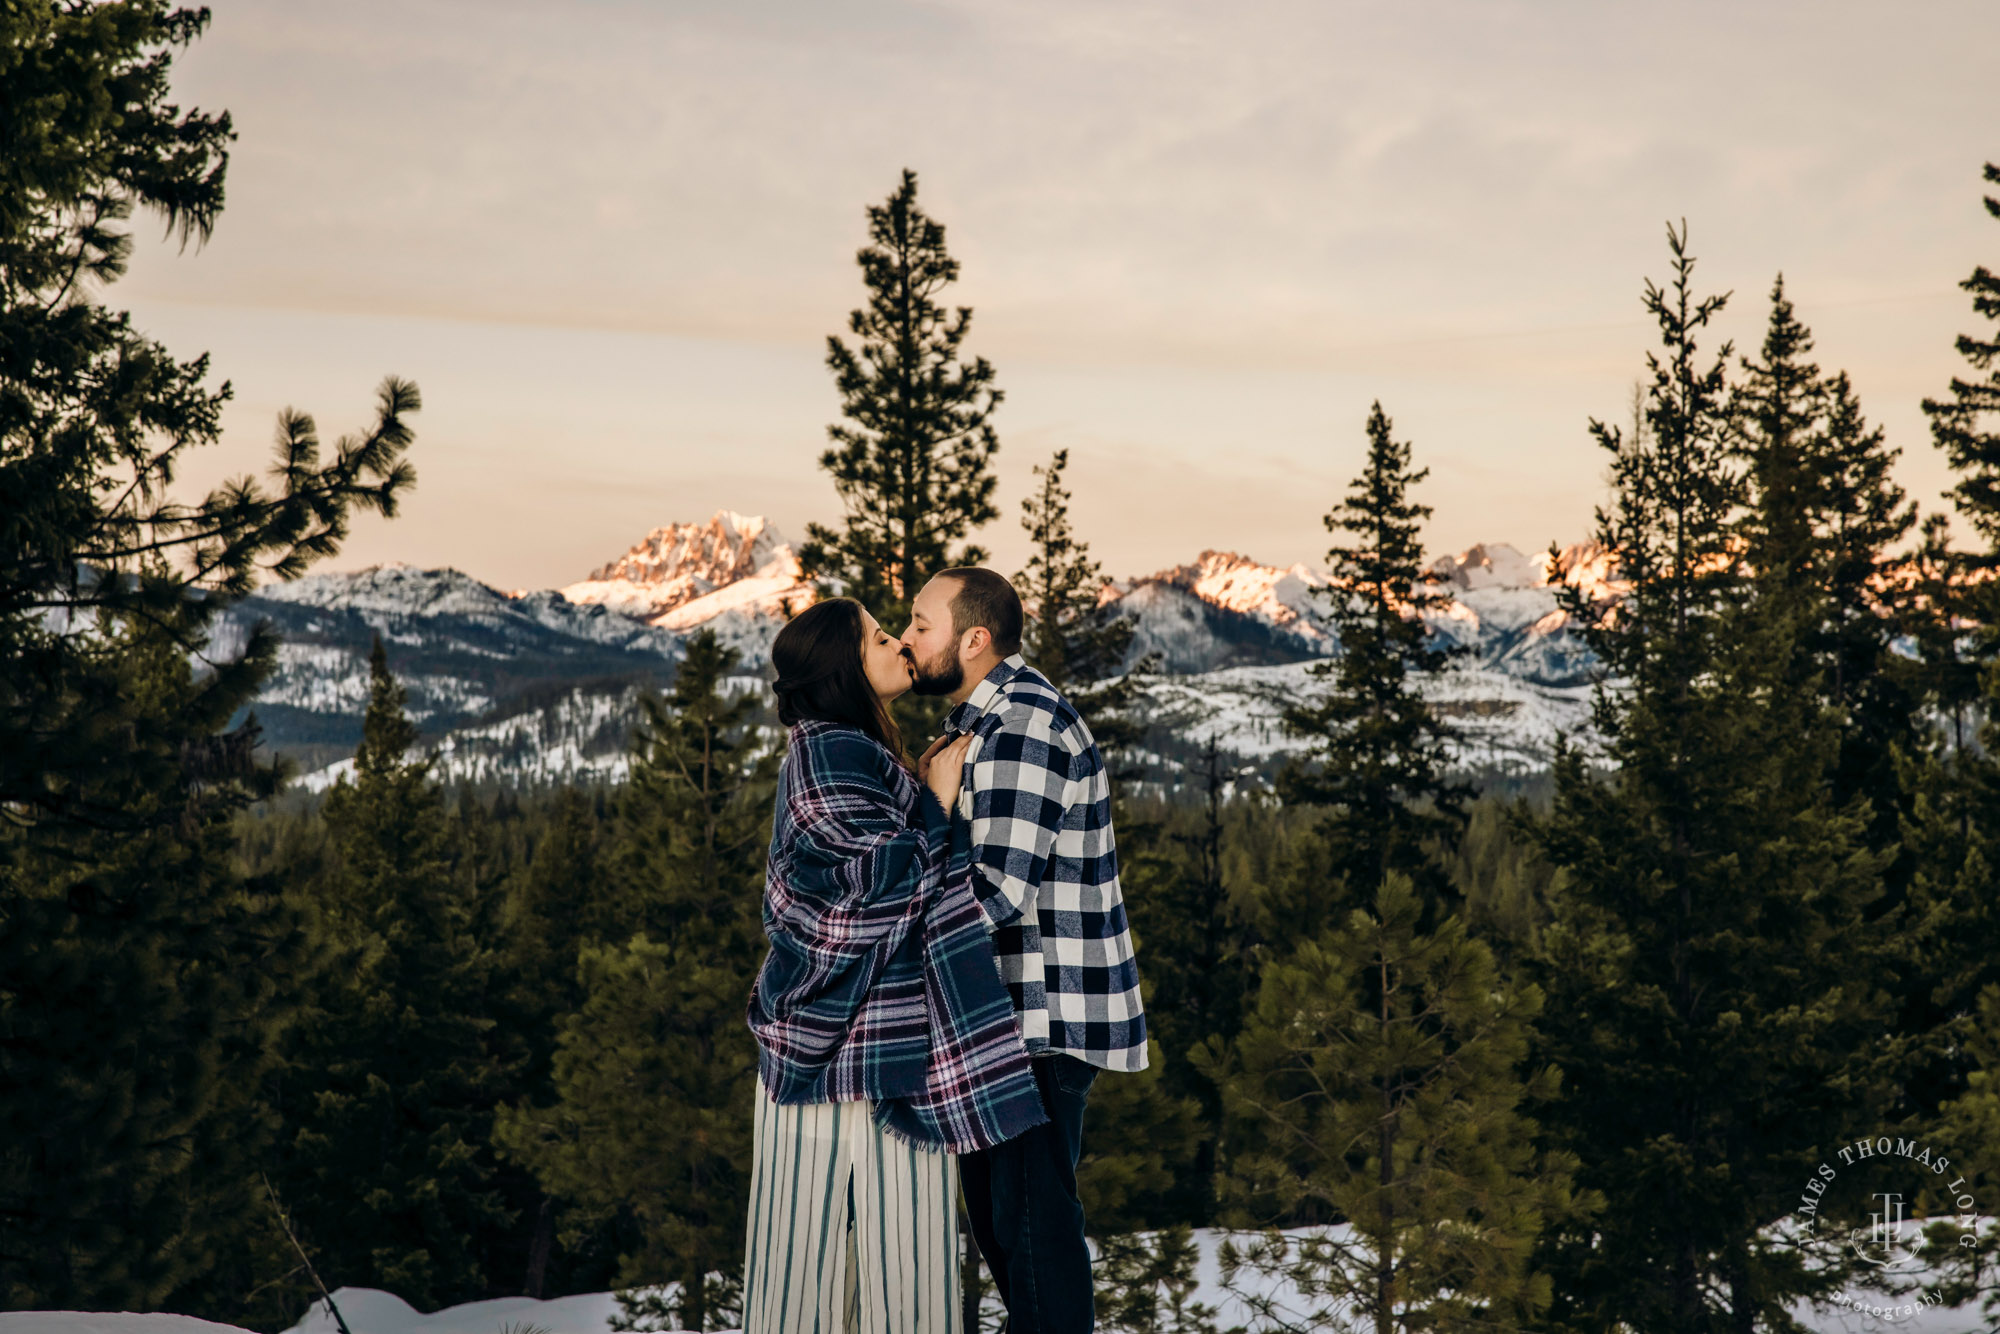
x=881 y=981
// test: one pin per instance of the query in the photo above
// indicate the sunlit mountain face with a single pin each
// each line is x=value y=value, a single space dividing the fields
x=542 y=686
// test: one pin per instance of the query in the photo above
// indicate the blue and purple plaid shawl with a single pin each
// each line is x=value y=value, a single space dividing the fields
x=881 y=981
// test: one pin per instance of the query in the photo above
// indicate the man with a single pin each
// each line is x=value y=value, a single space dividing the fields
x=1038 y=805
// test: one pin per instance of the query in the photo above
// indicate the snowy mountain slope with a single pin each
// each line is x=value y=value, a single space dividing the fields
x=464 y=651
x=1507 y=724
x=1192 y=634
x=543 y=686
x=584 y=734
x=1226 y=610
x=1504 y=610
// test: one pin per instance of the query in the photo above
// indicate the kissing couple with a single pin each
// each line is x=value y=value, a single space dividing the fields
x=950 y=967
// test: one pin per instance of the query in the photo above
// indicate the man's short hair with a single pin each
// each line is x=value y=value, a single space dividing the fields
x=985 y=599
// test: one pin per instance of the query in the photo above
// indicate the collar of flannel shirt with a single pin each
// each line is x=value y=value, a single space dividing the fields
x=960 y=720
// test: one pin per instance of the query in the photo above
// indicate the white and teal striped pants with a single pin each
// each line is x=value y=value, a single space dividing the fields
x=850 y=1230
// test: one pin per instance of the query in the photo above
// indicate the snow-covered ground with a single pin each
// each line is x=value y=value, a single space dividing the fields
x=1504 y=723
x=370 y=1311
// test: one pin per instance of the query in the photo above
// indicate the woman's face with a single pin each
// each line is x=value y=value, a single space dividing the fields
x=882 y=658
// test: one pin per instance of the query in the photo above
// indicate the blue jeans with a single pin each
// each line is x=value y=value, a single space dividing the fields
x=1021 y=1197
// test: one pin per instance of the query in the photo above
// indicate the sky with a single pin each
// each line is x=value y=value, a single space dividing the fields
x=608 y=241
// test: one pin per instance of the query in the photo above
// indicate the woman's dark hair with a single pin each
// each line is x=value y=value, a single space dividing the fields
x=820 y=676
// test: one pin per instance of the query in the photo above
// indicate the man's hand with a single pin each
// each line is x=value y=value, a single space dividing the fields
x=930 y=753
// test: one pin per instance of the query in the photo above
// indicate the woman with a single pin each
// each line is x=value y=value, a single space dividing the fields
x=887 y=1042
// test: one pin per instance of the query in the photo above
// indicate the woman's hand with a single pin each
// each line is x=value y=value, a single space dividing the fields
x=930 y=753
x=943 y=768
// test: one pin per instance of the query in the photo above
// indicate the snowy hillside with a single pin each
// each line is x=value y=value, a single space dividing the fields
x=542 y=686
x=1507 y=724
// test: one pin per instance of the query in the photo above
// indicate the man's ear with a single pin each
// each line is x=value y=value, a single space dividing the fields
x=977 y=640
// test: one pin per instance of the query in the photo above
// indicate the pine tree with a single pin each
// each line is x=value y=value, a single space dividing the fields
x=1070 y=638
x=1823 y=516
x=912 y=460
x=97 y=419
x=1964 y=425
x=143 y=995
x=1953 y=825
x=695 y=816
x=391 y=1090
x=1965 y=1241
x=654 y=1077
x=1146 y=1284
x=139 y=992
x=559 y=902
x=654 y=1074
x=1378 y=754
x=1383 y=1067
x=1714 y=989
x=1200 y=962
x=1779 y=405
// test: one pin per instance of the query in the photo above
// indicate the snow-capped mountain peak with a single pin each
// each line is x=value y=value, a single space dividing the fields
x=537 y=684
x=682 y=574
x=1238 y=583
x=1491 y=565
x=1281 y=597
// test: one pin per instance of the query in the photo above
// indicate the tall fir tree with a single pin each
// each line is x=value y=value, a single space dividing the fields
x=694 y=818
x=1821 y=527
x=1071 y=639
x=654 y=1073
x=912 y=459
x=1953 y=827
x=391 y=1089
x=1383 y=1070
x=137 y=970
x=1866 y=526
x=1714 y=986
x=1200 y=959
x=559 y=902
x=143 y=996
x=1966 y=423
x=1961 y=782
x=1952 y=822
x=1378 y=757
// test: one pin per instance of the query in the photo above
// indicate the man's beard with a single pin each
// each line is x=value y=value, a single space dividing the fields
x=940 y=676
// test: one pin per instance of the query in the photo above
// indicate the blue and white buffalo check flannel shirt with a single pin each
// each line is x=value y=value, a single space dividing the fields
x=1045 y=868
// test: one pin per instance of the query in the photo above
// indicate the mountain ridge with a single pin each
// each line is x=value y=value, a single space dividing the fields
x=539 y=683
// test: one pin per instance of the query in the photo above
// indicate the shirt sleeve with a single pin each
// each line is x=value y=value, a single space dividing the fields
x=1020 y=788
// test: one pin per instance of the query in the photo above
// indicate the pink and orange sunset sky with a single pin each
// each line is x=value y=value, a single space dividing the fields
x=608 y=241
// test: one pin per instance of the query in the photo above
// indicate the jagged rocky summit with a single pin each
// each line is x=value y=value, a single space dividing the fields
x=535 y=686
x=733 y=574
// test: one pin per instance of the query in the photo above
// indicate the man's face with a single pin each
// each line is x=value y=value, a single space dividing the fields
x=930 y=643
